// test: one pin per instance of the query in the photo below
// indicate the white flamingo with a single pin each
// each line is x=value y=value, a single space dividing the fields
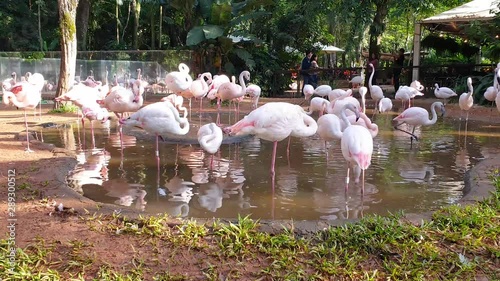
x=417 y=116
x=26 y=96
x=338 y=94
x=375 y=91
x=308 y=91
x=210 y=139
x=466 y=101
x=330 y=125
x=322 y=90
x=199 y=87
x=177 y=102
x=158 y=118
x=357 y=148
x=253 y=92
x=8 y=83
x=178 y=81
x=275 y=121
x=362 y=92
x=385 y=105
x=318 y=104
x=443 y=93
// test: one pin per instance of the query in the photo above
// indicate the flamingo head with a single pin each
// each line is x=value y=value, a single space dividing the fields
x=442 y=108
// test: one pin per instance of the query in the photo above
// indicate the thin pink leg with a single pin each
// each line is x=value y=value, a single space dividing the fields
x=347 y=179
x=92 y=131
x=288 y=147
x=363 y=184
x=27 y=133
x=273 y=160
x=83 y=129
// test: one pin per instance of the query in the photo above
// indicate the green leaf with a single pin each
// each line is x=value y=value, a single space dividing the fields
x=199 y=34
x=246 y=57
x=205 y=8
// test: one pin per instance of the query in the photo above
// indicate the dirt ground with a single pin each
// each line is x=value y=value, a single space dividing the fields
x=40 y=182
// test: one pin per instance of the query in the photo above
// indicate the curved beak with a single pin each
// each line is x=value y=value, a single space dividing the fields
x=357 y=115
x=443 y=111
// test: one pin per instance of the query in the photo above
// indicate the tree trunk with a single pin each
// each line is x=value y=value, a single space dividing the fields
x=377 y=28
x=136 y=7
x=152 y=28
x=82 y=17
x=40 y=27
x=67 y=16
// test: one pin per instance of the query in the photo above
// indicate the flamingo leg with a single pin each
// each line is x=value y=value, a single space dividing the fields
x=40 y=107
x=363 y=183
x=92 y=131
x=273 y=160
x=83 y=129
x=27 y=133
x=347 y=179
x=288 y=147
x=412 y=135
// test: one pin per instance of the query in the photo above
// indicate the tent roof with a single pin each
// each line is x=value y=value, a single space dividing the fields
x=474 y=10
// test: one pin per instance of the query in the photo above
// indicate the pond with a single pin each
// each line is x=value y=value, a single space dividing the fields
x=307 y=186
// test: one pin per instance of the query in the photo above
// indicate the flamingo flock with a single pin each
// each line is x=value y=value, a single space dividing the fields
x=341 y=116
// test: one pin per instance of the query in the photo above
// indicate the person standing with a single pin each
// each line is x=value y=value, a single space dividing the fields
x=398 y=67
x=373 y=60
x=313 y=79
x=304 y=68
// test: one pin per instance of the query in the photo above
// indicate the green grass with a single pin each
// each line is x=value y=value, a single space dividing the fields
x=65 y=108
x=459 y=243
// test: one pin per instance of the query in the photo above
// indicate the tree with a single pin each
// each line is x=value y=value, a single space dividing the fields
x=83 y=13
x=67 y=17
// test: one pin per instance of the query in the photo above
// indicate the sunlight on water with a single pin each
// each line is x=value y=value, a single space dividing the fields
x=309 y=184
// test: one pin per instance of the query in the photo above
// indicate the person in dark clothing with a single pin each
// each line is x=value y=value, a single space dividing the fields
x=304 y=68
x=398 y=67
x=313 y=77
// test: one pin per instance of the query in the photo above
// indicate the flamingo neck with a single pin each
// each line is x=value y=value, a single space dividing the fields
x=363 y=103
x=371 y=77
x=242 y=84
x=344 y=117
x=434 y=115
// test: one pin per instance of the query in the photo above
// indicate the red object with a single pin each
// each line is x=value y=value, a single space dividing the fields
x=17 y=89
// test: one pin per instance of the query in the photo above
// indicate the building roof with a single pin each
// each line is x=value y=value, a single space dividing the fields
x=473 y=10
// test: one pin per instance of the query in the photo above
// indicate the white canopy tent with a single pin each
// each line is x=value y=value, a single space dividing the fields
x=452 y=21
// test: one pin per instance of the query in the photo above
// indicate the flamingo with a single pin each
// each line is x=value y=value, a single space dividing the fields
x=8 y=83
x=177 y=102
x=308 y=91
x=229 y=90
x=178 y=81
x=417 y=85
x=318 y=104
x=338 y=93
x=417 y=116
x=360 y=120
x=254 y=92
x=329 y=125
x=199 y=87
x=337 y=106
x=37 y=80
x=356 y=81
x=466 y=101
x=322 y=90
x=26 y=96
x=362 y=92
x=357 y=148
x=121 y=100
x=385 y=105
x=210 y=139
x=491 y=92
x=444 y=93
x=375 y=91
x=274 y=121
x=158 y=118
x=93 y=111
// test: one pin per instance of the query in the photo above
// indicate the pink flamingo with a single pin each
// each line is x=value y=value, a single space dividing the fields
x=37 y=80
x=210 y=139
x=318 y=104
x=178 y=81
x=158 y=118
x=417 y=116
x=274 y=121
x=253 y=91
x=375 y=90
x=199 y=88
x=466 y=101
x=8 y=83
x=230 y=91
x=93 y=111
x=357 y=149
x=177 y=102
x=26 y=96
x=121 y=100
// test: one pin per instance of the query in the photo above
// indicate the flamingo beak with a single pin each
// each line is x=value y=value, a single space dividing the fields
x=121 y=121
x=443 y=111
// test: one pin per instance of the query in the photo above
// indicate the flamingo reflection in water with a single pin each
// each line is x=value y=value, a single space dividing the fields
x=126 y=193
x=90 y=169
